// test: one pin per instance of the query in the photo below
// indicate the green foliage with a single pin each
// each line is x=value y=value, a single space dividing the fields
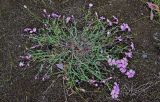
x=158 y=3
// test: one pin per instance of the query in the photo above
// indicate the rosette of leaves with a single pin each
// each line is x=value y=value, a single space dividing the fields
x=80 y=53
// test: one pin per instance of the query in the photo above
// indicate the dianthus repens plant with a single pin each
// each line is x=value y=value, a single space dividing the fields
x=92 y=53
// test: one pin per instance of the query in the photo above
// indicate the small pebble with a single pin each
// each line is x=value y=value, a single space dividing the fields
x=144 y=56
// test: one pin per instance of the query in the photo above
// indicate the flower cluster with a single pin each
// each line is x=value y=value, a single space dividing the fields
x=121 y=64
x=56 y=15
x=52 y=15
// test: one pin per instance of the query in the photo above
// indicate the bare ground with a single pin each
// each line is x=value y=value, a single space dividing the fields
x=18 y=85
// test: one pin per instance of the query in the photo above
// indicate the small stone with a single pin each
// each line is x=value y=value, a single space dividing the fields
x=144 y=56
x=25 y=6
x=142 y=14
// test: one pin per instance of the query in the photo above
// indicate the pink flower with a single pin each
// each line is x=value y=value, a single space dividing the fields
x=125 y=59
x=122 y=70
x=35 y=46
x=125 y=27
x=128 y=54
x=60 y=66
x=119 y=38
x=54 y=15
x=111 y=62
x=72 y=17
x=115 y=91
x=34 y=30
x=115 y=20
x=68 y=19
x=130 y=73
x=91 y=81
x=27 y=29
x=109 y=22
x=28 y=57
x=132 y=46
x=48 y=16
x=102 y=18
x=122 y=63
x=30 y=30
x=118 y=62
x=21 y=64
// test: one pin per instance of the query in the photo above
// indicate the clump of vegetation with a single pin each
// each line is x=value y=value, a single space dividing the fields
x=155 y=10
x=158 y=3
x=92 y=53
